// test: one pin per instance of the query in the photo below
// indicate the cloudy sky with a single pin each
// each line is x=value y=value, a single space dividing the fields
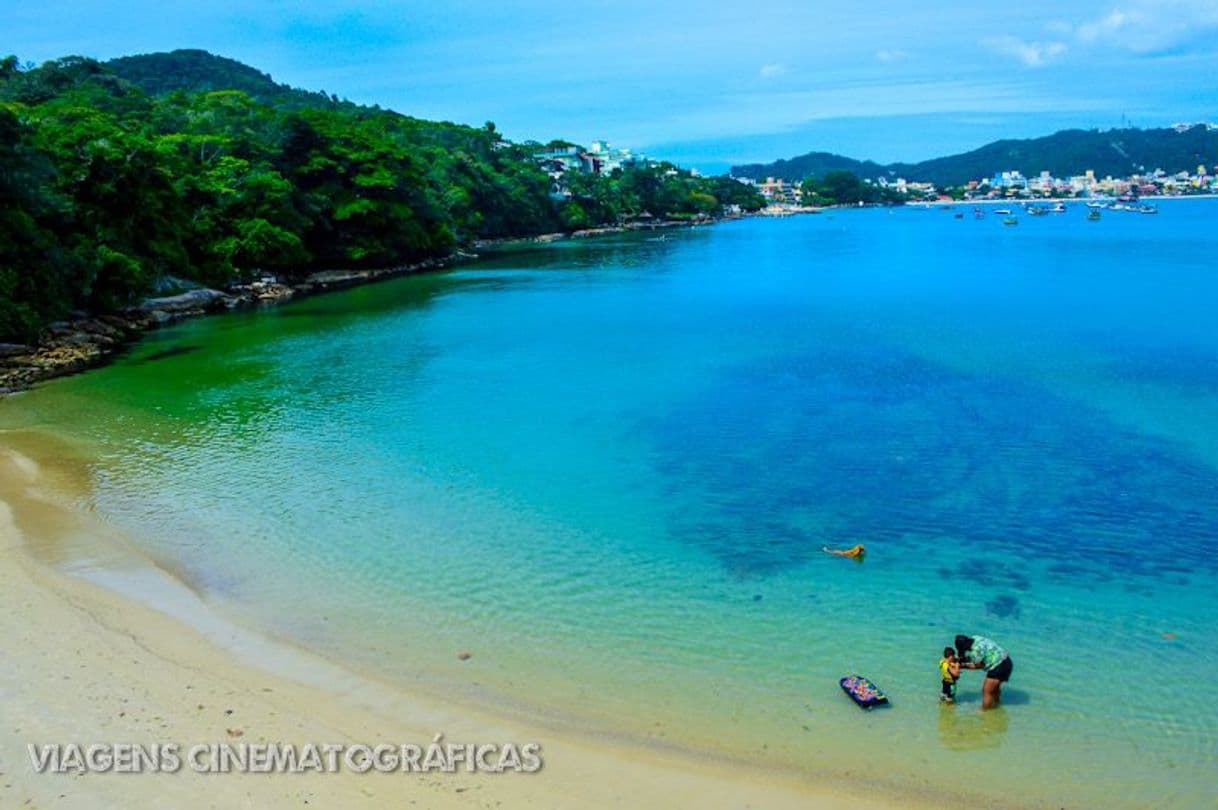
x=704 y=83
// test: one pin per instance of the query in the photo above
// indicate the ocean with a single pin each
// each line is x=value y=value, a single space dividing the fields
x=606 y=468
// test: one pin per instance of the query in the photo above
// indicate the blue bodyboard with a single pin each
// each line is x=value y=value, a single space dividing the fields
x=863 y=691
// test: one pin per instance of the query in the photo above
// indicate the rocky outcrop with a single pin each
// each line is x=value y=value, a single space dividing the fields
x=68 y=347
x=193 y=301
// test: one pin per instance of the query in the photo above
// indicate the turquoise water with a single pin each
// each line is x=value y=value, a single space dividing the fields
x=607 y=468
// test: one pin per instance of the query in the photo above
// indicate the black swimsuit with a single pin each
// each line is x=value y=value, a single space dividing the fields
x=1002 y=672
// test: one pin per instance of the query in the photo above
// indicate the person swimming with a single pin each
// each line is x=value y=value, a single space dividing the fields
x=855 y=553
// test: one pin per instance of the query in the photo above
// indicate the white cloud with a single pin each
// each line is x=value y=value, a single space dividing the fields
x=1032 y=54
x=1107 y=25
x=772 y=71
x=1148 y=26
x=891 y=55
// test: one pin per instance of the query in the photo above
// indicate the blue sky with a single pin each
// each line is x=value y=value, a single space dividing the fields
x=704 y=83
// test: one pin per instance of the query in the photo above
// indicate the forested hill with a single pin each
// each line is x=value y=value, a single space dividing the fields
x=813 y=164
x=196 y=71
x=1117 y=152
x=116 y=176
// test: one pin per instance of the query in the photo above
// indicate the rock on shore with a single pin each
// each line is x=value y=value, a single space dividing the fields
x=67 y=347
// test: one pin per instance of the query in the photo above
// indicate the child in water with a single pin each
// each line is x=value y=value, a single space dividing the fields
x=949 y=673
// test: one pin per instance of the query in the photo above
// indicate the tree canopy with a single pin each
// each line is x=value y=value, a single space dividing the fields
x=845 y=188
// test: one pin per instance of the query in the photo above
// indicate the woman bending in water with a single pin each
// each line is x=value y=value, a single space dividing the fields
x=979 y=652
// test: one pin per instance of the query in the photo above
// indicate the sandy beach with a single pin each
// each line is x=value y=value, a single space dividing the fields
x=87 y=664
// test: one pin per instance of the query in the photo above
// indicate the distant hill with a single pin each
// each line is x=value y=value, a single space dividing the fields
x=813 y=164
x=196 y=71
x=1117 y=152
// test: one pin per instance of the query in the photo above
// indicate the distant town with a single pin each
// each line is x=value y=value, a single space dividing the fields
x=782 y=195
x=1008 y=185
x=600 y=158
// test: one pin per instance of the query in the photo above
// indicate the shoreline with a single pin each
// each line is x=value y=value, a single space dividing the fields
x=104 y=643
x=89 y=341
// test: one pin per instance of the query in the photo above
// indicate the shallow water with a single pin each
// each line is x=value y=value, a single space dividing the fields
x=607 y=468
